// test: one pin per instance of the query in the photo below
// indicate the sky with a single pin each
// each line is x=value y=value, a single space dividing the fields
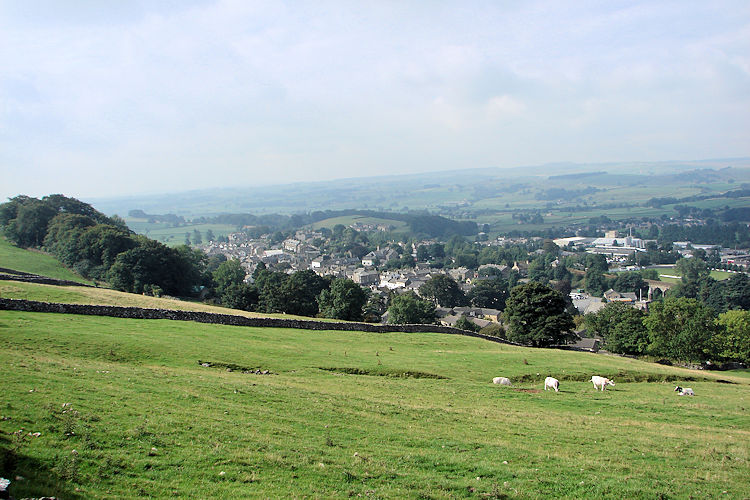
x=125 y=97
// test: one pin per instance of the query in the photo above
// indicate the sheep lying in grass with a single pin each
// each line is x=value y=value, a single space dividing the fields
x=501 y=381
x=687 y=391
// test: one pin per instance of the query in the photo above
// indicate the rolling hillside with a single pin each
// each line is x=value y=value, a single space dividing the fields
x=346 y=414
x=98 y=407
x=35 y=262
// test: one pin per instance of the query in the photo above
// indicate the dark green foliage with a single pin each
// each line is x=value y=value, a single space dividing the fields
x=493 y=330
x=240 y=296
x=152 y=263
x=28 y=226
x=732 y=341
x=227 y=274
x=680 y=328
x=408 y=308
x=294 y=293
x=491 y=293
x=25 y=220
x=374 y=308
x=691 y=270
x=269 y=284
x=737 y=292
x=536 y=315
x=631 y=282
x=443 y=290
x=464 y=323
x=622 y=327
x=596 y=283
x=300 y=292
x=344 y=300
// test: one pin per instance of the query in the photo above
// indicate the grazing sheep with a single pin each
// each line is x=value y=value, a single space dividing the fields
x=601 y=382
x=552 y=383
x=501 y=381
x=687 y=391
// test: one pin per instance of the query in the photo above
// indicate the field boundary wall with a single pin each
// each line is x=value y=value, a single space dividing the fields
x=228 y=319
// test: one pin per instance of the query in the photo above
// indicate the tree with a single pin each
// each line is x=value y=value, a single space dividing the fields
x=299 y=293
x=197 y=238
x=239 y=296
x=153 y=263
x=536 y=315
x=732 y=342
x=465 y=323
x=29 y=225
x=374 y=309
x=691 y=270
x=490 y=293
x=270 y=285
x=210 y=235
x=680 y=328
x=596 y=283
x=408 y=308
x=344 y=300
x=442 y=290
x=631 y=282
x=229 y=273
x=737 y=292
x=622 y=327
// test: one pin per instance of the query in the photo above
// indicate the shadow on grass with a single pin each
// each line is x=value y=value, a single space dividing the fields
x=39 y=479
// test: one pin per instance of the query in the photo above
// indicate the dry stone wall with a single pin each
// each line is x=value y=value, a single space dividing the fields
x=11 y=275
x=226 y=319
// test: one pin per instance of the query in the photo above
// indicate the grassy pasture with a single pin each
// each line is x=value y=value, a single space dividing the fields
x=34 y=261
x=174 y=236
x=347 y=220
x=146 y=420
x=665 y=273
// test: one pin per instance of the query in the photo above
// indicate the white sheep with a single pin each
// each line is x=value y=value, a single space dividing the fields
x=501 y=381
x=551 y=383
x=601 y=382
x=687 y=391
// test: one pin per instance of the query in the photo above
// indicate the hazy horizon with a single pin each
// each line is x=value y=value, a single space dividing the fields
x=122 y=99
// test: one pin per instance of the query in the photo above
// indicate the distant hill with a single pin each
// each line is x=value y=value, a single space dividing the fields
x=453 y=192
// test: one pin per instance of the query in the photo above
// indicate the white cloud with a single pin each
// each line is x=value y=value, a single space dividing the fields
x=192 y=94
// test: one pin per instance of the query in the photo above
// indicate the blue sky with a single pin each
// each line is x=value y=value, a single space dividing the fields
x=123 y=97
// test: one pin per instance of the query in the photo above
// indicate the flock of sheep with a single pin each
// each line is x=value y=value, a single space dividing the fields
x=600 y=383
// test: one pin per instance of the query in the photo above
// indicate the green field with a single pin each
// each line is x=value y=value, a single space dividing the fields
x=173 y=236
x=350 y=414
x=35 y=262
x=348 y=220
x=667 y=273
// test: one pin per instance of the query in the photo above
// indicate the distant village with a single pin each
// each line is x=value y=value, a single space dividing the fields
x=373 y=271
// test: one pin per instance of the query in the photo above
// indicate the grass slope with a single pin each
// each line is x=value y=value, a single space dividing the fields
x=146 y=420
x=104 y=296
x=34 y=261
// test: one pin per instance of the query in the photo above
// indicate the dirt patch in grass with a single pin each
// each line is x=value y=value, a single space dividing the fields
x=232 y=367
x=383 y=373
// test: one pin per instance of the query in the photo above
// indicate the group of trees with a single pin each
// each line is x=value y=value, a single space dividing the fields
x=101 y=247
x=700 y=319
x=301 y=293
x=677 y=328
